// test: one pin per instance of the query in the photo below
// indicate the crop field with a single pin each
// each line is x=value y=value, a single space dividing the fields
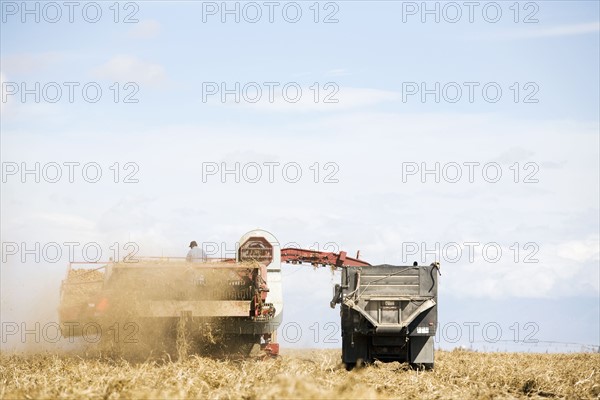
x=298 y=374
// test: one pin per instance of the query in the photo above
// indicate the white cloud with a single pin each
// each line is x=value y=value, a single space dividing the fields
x=14 y=109
x=550 y=276
x=368 y=147
x=587 y=250
x=29 y=62
x=65 y=220
x=338 y=72
x=146 y=29
x=327 y=99
x=556 y=31
x=129 y=68
x=515 y=154
x=4 y=105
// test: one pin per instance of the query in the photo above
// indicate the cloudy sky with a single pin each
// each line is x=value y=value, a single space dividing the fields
x=464 y=135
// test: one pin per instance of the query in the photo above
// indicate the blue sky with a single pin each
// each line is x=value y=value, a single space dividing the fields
x=371 y=57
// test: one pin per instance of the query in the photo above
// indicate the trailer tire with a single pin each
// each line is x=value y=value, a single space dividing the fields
x=350 y=366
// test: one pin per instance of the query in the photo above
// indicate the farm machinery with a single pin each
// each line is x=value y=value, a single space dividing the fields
x=235 y=305
x=388 y=313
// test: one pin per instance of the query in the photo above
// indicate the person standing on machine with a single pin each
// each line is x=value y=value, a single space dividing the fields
x=195 y=254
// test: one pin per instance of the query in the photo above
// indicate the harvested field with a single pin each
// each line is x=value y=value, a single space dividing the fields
x=310 y=374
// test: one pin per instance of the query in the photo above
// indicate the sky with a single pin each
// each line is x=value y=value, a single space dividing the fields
x=407 y=130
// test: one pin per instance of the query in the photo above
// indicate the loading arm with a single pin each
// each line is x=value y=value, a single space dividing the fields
x=316 y=258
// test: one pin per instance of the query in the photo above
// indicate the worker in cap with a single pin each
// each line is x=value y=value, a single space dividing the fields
x=195 y=254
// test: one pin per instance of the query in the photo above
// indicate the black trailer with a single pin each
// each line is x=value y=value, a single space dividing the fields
x=388 y=313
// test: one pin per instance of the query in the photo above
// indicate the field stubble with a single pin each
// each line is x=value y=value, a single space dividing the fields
x=302 y=374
